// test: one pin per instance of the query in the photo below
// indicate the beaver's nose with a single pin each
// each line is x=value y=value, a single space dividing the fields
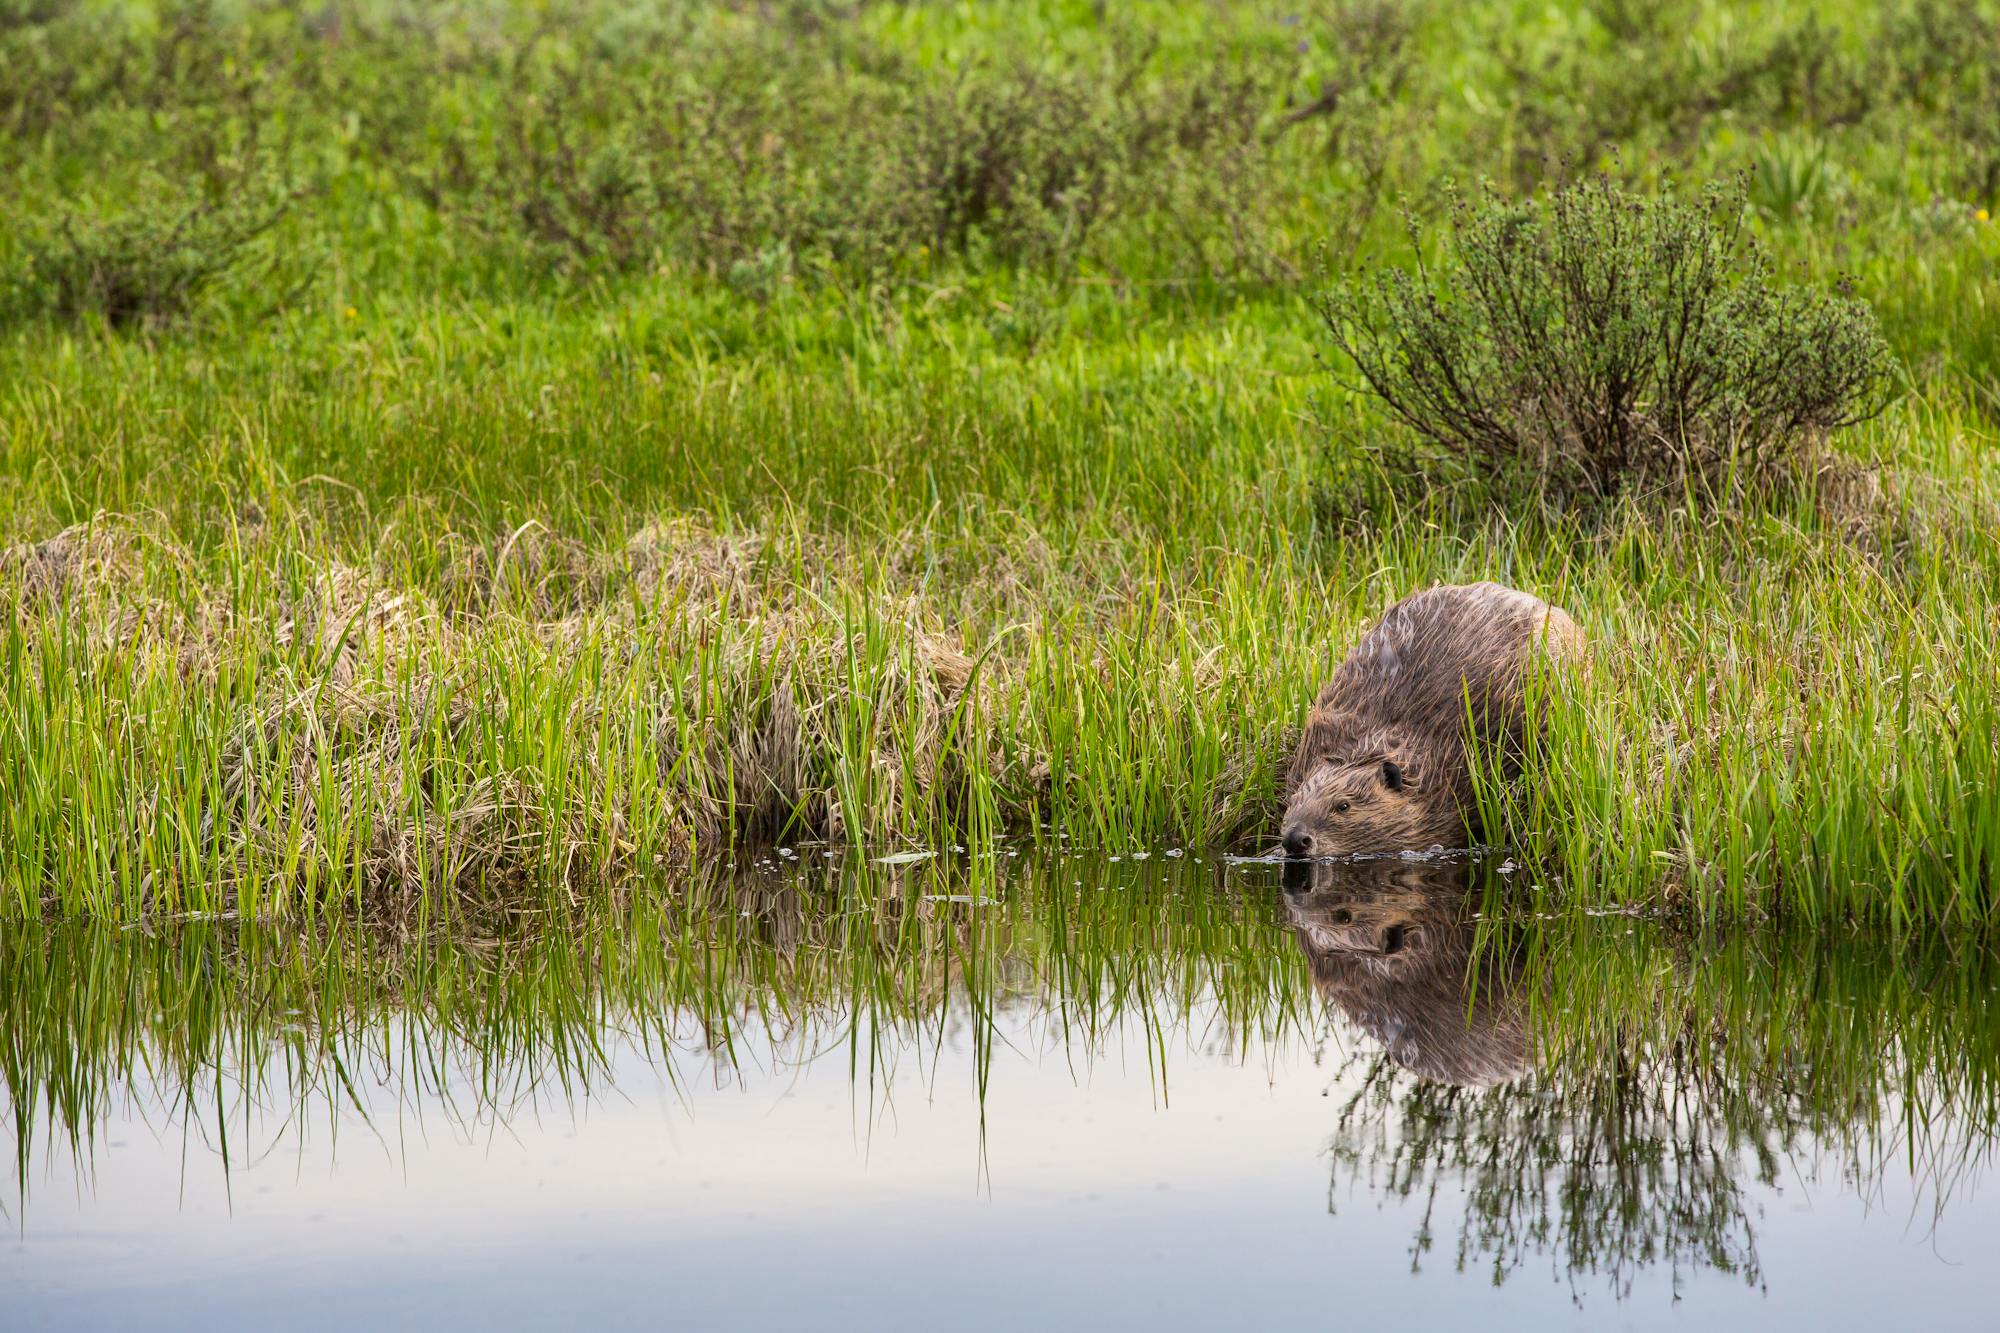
x=1298 y=842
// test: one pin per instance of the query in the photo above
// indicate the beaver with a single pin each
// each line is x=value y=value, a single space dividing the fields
x=1383 y=765
x=1390 y=944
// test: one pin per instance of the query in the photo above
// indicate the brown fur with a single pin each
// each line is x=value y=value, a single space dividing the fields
x=1383 y=765
x=1390 y=946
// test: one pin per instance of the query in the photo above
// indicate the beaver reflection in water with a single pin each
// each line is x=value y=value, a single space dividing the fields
x=1390 y=945
x=1383 y=765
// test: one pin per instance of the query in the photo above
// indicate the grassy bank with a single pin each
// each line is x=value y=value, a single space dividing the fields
x=465 y=455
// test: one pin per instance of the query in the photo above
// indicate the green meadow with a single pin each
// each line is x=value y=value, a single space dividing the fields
x=499 y=458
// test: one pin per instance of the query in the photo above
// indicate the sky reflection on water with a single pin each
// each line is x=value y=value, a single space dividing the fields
x=1175 y=1092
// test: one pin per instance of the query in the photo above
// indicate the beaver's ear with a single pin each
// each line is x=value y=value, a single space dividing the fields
x=1392 y=775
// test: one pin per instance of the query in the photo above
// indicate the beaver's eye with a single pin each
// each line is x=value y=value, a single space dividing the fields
x=1340 y=807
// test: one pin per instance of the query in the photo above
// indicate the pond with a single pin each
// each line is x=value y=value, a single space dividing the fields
x=994 y=1090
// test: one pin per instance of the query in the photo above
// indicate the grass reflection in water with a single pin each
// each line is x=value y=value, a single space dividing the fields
x=1606 y=1096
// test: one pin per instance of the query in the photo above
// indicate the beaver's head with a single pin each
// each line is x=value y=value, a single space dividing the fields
x=1390 y=944
x=1339 y=807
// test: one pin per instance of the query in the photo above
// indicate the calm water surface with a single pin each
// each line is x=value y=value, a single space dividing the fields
x=982 y=1093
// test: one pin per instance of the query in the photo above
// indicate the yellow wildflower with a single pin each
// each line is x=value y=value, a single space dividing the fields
x=1981 y=215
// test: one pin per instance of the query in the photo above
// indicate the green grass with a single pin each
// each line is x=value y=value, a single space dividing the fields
x=420 y=562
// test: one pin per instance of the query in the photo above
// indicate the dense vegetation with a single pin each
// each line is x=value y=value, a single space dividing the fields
x=453 y=453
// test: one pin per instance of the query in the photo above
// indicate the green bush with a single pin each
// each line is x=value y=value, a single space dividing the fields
x=1590 y=342
x=1944 y=59
x=834 y=149
x=583 y=137
x=147 y=265
x=770 y=153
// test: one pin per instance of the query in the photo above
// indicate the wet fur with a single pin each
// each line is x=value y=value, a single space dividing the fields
x=1387 y=736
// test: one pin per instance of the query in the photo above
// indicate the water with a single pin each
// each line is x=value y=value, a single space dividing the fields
x=998 y=1091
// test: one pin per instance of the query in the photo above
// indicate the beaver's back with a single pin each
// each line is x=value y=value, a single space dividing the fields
x=1414 y=671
